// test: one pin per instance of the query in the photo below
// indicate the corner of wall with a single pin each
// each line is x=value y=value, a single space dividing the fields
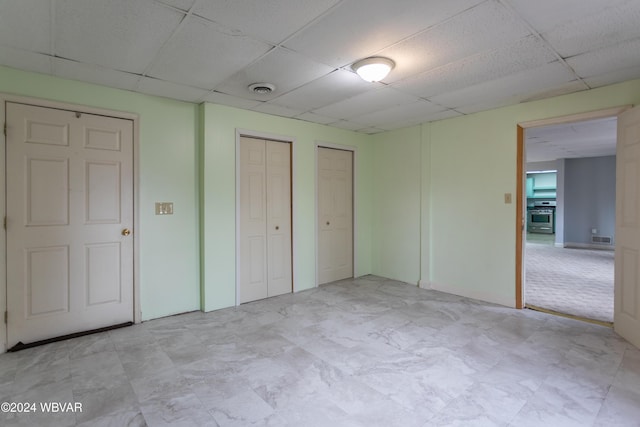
x=200 y=181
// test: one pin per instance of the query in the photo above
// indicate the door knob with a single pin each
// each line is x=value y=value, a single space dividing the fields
x=277 y=227
x=126 y=232
x=328 y=223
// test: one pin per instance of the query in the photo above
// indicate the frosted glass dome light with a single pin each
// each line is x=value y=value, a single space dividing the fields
x=373 y=69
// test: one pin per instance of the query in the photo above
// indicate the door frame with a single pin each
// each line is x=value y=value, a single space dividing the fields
x=354 y=185
x=4 y=99
x=270 y=137
x=521 y=225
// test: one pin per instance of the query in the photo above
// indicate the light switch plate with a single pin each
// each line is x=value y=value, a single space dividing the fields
x=164 y=208
x=507 y=198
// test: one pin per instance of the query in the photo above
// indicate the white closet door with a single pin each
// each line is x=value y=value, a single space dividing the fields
x=69 y=199
x=335 y=215
x=265 y=219
x=278 y=218
x=253 y=220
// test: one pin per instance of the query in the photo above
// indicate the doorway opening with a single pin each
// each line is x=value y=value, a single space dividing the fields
x=567 y=179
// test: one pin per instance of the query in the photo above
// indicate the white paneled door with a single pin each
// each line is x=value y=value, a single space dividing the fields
x=335 y=214
x=69 y=221
x=627 y=258
x=264 y=265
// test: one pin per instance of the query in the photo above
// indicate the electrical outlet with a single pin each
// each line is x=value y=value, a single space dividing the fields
x=507 y=198
x=594 y=231
x=164 y=208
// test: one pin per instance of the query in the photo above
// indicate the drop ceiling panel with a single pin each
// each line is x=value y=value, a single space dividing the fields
x=203 y=54
x=619 y=75
x=505 y=88
x=316 y=118
x=485 y=27
x=232 y=101
x=367 y=102
x=120 y=34
x=607 y=27
x=178 y=4
x=282 y=67
x=170 y=90
x=405 y=113
x=94 y=74
x=531 y=95
x=25 y=60
x=25 y=24
x=413 y=121
x=357 y=29
x=271 y=20
x=602 y=61
x=465 y=55
x=545 y=15
x=327 y=90
x=524 y=54
x=277 y=110
x=348 y=125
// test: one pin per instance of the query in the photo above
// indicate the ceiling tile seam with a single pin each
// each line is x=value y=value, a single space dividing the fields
x=508 y=6
x=420 y=32
x=311 y=23
x=614 y=44
x=160 y=51
x=52 y=58
x=271 y=42
x=170 y=7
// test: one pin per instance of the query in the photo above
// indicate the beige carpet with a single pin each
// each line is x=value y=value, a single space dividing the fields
x=572 y=281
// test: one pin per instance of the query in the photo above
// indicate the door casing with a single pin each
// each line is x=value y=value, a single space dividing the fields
x=4 y=98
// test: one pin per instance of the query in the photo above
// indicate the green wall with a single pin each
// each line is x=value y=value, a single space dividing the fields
x=467 y=242
x=429 y=203
x=219 y=196
x=167 y=170
x=397 y=204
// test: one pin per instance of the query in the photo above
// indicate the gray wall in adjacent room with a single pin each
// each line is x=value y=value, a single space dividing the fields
x=589 y=198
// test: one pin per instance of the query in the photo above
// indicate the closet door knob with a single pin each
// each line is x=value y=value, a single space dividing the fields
x=277 y=227
x=328 y=223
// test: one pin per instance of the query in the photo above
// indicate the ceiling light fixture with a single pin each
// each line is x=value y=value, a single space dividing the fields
x=373 y=69
x=262 y=88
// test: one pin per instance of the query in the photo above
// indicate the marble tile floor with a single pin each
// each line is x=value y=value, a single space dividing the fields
x=362 y=352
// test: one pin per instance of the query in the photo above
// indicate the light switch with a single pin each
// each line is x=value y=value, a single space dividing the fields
x=507 y=198
x=164 y=208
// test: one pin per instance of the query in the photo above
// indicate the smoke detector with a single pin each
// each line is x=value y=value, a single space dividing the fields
x=262 y=88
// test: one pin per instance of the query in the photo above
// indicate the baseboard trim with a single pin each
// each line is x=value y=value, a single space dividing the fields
x=478 y=295
x=424 y=284
x=571 y=245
